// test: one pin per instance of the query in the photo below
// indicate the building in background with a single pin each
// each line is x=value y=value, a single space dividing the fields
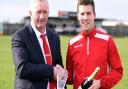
x=66 y=23
x=116 y=27
x=10 y=28
x=1 y=28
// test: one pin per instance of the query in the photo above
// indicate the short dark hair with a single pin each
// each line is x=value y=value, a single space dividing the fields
x=86 y=2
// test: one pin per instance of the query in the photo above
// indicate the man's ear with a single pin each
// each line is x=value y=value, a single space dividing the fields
x=78 y=16
x=95 y=15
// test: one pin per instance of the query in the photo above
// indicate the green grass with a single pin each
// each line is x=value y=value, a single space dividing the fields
x=6 y=64
x=122 y=45
x=7 y=68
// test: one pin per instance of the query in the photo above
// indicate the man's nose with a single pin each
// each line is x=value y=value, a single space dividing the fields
x=85 y=17
x=41 y=16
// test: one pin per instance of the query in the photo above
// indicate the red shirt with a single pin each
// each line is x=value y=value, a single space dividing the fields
x=86 y=52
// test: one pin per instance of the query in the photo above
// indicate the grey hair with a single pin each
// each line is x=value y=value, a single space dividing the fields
x=34 y=1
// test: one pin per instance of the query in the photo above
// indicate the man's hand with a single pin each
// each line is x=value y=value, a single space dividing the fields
x=95 y=85
x=62 y=76
x=58 y=70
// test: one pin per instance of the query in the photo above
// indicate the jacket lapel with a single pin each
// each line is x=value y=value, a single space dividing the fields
x=35 y=42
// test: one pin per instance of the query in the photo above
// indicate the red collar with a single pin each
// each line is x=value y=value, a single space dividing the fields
x=92 y=33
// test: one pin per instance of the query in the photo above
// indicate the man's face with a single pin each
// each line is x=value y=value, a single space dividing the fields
x=39 y=14
x=86 y=17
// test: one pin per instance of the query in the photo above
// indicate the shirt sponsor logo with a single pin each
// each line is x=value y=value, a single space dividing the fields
x=77 y=46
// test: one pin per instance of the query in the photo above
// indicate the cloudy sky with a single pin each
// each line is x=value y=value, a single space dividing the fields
x=15 y=10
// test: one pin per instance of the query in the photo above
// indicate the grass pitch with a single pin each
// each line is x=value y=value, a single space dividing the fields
x=7 y=71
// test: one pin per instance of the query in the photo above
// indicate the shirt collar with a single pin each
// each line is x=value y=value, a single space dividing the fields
x=92 y=33
x=38 y=34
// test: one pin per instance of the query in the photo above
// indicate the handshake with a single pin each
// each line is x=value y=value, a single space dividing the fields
x=61 y=75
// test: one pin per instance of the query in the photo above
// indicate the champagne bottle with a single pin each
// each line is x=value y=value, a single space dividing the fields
x=88 y=82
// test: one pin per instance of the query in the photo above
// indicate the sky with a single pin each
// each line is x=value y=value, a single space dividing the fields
x=15 y=10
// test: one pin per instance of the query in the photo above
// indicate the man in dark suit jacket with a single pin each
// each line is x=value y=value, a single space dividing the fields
x=32 y=71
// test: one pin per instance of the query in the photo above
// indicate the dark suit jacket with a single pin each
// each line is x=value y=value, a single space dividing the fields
x=31 y=70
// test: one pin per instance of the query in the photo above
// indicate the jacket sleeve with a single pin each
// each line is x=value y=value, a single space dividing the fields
x=115 y=67
x=69 y=66
x=24 y=68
